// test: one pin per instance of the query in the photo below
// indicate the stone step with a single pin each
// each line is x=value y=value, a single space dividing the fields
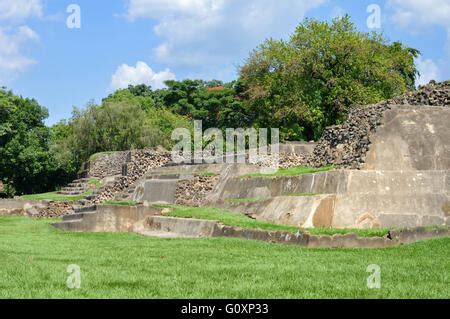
x=82 y=202
x=78 y=216
x=76 y=193
x=178 y=227
x=69 y=225
x=74 y=189
x=81 y=180
x=123 y=196
x=160 y=234
x=165 y=176
x=83 y=209
x=80 y=185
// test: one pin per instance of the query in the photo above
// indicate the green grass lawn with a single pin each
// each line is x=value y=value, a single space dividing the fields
x=56 y=197
x=293 y=171
x=34 y=258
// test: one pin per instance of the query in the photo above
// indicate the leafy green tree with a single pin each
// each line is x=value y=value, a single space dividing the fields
x=219 y=108
x=125 y=120
x=26 y=165
x=309 y=82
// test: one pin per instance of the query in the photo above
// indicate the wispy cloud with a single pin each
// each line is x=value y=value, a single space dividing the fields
x=19 y=10
x=211 y=35
x=14 y=35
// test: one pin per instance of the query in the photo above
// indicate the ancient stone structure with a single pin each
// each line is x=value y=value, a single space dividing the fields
x=392 y=170
x=15 y=207
x=395 y=158
x=344 y=198
x=107 y=164
x=149 y=221
x=346 y=145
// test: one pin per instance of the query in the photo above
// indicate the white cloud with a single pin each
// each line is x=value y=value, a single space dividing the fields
x=417 y=13
x=14 y=35
x=211 y=35
x=166 y=8
x=12 y=61
x=428 y=71
x=19 y=10
x=141 y=74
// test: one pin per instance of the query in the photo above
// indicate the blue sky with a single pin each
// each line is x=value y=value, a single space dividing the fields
x=123 y=42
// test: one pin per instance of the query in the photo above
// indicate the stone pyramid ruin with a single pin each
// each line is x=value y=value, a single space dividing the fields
x=391 y=170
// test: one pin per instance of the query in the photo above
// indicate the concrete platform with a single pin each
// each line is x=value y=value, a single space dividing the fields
x=340 y=182
x=156 y=191
x=412 y=138
x=178 y=227
x=344 y=198
x=15 y=206
x=108 y=218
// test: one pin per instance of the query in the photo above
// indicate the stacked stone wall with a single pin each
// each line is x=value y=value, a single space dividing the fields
x=346 y=145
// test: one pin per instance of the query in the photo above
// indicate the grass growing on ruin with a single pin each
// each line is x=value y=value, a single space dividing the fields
x=95 y=183
x=54 y=196
x=121 y=203
x=207 y=174
x=293 y=171
x=247 y=200
x=230 y=218
x=301 y=194
x=380 y=232
x=95 y=156
x=34 y=258
x=225 y=217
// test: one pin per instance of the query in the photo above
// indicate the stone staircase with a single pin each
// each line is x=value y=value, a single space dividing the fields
x=106 y=218
x=75 y=188
x=73 y=221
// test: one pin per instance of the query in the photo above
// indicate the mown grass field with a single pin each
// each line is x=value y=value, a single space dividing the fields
x=34 y=258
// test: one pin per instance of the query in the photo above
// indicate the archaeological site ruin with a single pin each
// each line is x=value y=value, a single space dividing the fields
x=388 y=166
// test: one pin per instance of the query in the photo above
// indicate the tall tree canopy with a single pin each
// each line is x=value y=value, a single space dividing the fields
x=127 y=119
x=26 y=164
x=309 y=82
x=197 y=99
